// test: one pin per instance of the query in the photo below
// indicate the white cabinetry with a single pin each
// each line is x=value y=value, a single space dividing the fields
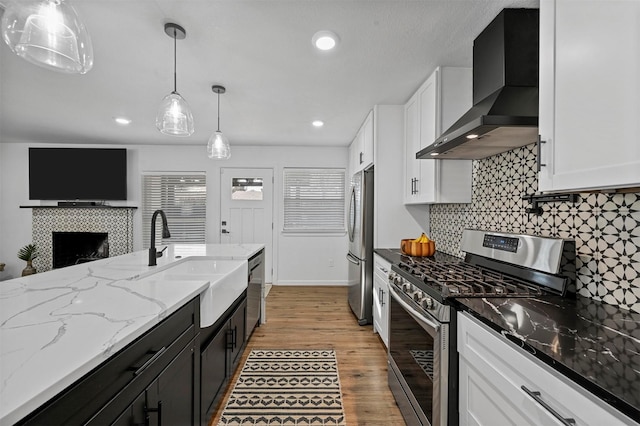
x=589 y=94
x=361 y=148
x=437 y=104
x=501 y=384
x=381 y=270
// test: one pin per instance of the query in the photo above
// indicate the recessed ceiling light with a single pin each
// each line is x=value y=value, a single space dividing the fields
x=123 y=121
x=325 y=40
x=317 y=123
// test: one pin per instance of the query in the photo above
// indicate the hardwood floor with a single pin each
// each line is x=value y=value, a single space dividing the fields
x=320 y=318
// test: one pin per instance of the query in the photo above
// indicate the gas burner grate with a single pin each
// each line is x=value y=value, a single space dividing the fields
x=465 y=280
x=424 y=360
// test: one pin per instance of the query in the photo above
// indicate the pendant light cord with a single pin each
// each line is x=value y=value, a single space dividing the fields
x=218 y=111
x=175 y=78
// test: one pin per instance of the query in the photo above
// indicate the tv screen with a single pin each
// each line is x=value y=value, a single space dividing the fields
x=96 y=174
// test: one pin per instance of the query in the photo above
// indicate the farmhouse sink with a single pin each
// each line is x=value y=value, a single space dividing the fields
x=227 y=280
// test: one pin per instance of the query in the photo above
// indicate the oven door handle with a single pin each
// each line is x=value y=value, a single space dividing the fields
x=415 y=314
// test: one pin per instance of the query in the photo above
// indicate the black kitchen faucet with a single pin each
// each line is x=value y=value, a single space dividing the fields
x=153 y=253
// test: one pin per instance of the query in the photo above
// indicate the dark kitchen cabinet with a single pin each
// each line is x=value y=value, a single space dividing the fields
x=170 y=399
x=158 y=371
x=220 y=356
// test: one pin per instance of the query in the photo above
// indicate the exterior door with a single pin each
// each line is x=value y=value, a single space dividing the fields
x=246 y=210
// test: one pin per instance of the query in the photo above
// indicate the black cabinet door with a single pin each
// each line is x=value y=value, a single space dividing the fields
x=172 y=397
x=237 y=324
x=134 y=414
x=213 y=364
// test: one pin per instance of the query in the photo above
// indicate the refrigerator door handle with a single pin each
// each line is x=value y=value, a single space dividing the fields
x=352 y=259
x=352 y=214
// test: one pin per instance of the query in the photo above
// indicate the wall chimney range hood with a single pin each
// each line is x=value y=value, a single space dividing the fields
x=504 y=114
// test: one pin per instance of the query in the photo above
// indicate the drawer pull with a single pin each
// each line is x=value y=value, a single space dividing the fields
x=536 y=396
x=155 y=355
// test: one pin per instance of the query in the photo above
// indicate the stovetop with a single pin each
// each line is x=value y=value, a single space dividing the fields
x=459 y=279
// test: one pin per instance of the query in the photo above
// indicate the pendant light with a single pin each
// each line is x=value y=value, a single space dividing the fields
x=174 y=115
x=218 y=145
x=48 y=33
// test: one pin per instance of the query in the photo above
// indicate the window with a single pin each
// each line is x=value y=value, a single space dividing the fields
x=314 y=200
x=246 y=189
x=182 y=198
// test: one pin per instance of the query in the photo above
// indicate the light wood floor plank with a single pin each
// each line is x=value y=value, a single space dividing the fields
x=320 y=318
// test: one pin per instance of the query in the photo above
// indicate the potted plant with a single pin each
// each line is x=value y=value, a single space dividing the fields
x=28 y=253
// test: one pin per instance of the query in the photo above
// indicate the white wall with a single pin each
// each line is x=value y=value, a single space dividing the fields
x=297 y=259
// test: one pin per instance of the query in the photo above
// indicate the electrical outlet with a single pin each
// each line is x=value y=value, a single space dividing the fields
x=331 y=263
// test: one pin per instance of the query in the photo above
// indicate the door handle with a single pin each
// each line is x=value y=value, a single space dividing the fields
x=224 y=231
x=352 y=259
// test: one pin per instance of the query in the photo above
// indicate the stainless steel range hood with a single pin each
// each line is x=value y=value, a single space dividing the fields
x=504 y=115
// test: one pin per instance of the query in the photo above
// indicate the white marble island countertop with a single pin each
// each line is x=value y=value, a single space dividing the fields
x=59 y=325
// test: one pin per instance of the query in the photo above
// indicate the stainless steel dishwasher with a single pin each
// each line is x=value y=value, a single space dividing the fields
x=255 y=290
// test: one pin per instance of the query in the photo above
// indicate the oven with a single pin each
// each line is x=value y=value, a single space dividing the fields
x=422 y=359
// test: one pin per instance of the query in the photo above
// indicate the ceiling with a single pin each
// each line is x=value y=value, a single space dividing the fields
x=260 y=50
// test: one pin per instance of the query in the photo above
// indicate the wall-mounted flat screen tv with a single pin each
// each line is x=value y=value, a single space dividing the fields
x=96 y=174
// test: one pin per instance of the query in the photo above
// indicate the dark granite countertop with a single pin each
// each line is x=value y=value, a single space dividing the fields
x=594 y=344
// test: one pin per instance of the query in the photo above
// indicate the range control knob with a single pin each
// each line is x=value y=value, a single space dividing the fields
x=406 y=287
x=426 y=302
x=418 y=296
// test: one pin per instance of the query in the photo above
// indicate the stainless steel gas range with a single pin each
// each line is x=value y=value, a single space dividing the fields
x=423 y=359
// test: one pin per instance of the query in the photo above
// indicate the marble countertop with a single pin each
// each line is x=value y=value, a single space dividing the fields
x=595 y=344
x=58 y=325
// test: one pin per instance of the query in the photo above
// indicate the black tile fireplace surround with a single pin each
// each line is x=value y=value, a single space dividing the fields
x=70 y=248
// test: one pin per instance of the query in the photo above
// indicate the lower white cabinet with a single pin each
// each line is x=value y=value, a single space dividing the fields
x=501 y=384
x=381 y=270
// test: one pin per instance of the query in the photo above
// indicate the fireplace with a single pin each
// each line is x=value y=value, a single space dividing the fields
x=71 y=248
x=113 y=221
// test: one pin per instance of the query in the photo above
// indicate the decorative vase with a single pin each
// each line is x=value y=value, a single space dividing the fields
x=29 y=270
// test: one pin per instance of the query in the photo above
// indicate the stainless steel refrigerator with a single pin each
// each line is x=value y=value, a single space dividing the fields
x=360 y=256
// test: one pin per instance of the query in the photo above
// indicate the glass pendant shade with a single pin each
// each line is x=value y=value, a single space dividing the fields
x=174 y=116
x=48 y=33
x=218 y=146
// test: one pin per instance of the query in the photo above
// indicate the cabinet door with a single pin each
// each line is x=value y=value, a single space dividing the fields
x=412 y=141
x=367 y=142
x=589 y=94
x=428 y=100
x=213 y=367
x=171 y=398
x=134 y=414
x=237 y=331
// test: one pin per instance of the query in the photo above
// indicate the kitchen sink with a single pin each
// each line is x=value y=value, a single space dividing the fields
x=227 y=280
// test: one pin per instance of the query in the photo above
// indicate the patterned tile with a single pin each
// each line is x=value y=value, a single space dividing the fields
x=116 y=222
x=605 y=227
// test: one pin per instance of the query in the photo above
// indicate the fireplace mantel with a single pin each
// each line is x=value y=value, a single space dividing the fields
x=116 y=221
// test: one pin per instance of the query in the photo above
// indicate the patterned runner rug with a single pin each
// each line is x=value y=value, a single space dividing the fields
x=281 y=387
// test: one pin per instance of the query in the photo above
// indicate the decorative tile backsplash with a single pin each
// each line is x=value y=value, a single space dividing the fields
x=116 y=222
x=606 y=227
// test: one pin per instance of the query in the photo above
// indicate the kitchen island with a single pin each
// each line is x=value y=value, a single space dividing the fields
x=58 y=326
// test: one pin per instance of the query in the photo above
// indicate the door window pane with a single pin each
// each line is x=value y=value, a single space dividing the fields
x=246 y=189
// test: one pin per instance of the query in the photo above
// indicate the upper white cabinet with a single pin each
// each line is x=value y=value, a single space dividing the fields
x=589 y=94
x=361 y=148
x=438 y=103
x=501 y=384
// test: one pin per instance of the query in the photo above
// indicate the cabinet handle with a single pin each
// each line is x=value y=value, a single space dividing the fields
x=536 y=396
x=235 y=337
x=230 y=339
x=381 y=297
x=155 y=355
x=361 y=160
x=158 y=410
x=539 y=153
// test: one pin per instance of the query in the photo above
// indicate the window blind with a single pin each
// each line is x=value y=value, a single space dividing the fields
x=314 y=200
x=183 y=200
